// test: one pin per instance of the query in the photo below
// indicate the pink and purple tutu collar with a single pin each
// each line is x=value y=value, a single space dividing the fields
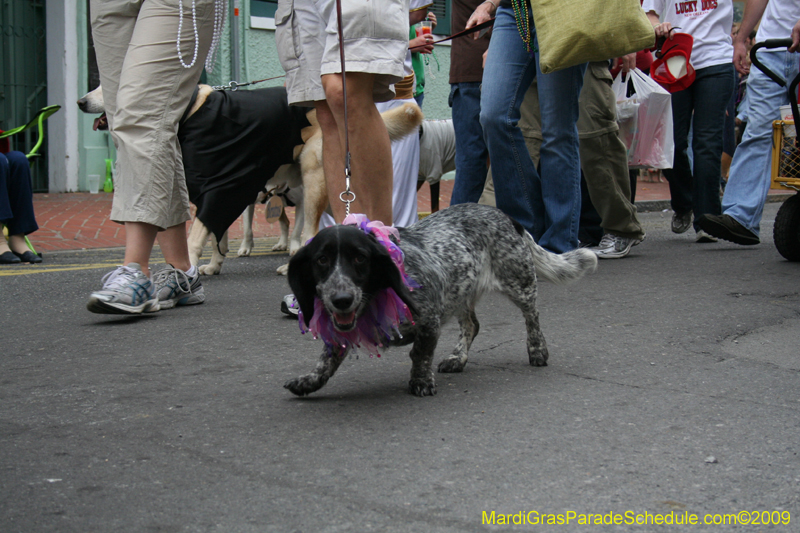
x=380 y=322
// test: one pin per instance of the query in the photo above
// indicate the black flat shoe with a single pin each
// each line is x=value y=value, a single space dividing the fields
x=28 y=257
x=9 y=258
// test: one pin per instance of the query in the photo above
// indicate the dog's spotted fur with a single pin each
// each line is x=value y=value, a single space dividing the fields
x=456 y=256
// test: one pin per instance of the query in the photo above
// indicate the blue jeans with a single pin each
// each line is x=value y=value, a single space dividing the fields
x=547 y=204
x=749 y=181
x=694 y=184
x=471 y=152
x=16 y=196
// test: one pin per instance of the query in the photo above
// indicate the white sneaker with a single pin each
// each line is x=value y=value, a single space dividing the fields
x=126 y=291
x=289 y=305
x=614 y=246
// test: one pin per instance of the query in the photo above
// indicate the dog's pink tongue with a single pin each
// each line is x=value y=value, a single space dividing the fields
x=100 y=123
x=345 y=318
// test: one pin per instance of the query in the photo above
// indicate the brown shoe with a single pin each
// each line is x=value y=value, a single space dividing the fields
x=726 y=227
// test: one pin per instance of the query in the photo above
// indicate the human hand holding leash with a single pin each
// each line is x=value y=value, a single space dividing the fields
x=795 y=38
x=482 y=13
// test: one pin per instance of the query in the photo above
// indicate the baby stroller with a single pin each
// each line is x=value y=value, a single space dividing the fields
x=785 y=161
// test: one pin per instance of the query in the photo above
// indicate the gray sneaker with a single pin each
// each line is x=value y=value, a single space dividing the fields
x=126 y=291
x=614 y=246
x=681 y=222
x=175 y=287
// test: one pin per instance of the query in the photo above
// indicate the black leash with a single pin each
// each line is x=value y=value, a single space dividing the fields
x=479 y=27
x=347 y=196
x=234 y=85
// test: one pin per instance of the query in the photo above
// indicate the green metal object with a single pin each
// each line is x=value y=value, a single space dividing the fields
x=108 y=185
x=38 y=121
x=23 y=77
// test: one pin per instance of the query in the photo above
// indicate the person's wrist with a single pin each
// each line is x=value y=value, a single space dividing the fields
x=491 y=2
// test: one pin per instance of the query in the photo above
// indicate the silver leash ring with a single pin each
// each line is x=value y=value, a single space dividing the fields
x=351 y=199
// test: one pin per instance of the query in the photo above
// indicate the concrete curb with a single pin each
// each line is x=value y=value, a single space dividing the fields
x=648 y=206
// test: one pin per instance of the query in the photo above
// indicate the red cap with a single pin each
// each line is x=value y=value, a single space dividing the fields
x=679 y=46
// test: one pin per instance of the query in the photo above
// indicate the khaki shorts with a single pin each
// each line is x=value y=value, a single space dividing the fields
x=376 y=41
x=146 y=91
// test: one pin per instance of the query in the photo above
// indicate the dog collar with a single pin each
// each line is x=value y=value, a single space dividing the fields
x=380 y=322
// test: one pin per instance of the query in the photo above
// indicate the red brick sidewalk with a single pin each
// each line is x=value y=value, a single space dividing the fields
x=75 y=221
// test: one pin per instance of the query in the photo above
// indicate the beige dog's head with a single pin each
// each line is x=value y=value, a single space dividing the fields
x=92 y=102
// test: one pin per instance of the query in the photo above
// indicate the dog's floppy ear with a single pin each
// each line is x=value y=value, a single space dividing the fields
x=302 y=282
x=384 y=273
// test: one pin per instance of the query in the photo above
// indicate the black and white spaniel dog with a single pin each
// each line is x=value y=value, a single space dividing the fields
x=455 y=256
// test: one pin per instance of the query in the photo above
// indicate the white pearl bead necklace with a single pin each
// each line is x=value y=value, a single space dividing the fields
x=219 y=24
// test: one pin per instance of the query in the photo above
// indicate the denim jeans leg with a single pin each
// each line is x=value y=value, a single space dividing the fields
x=749 y=181
x=559 y=163
x=20 y=195
x=471 y=151
x=509 y=71
x=680 y=175
x=714 y=86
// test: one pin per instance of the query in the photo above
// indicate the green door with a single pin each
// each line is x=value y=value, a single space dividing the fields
x=23 y=76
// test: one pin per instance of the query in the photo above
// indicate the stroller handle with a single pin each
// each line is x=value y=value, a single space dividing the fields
x=792 y=90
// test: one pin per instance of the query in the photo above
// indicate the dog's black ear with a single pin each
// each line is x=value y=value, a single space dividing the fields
x=302 y=282
x=384 y=273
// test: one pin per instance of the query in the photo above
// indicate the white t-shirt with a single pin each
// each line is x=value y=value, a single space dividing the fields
x=779 y=18
x=709 y=22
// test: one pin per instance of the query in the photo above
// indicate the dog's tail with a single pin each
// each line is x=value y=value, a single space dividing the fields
x=402 y=120
x=561 y=268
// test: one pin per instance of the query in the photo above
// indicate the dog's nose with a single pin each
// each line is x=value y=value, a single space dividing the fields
x=342 y=300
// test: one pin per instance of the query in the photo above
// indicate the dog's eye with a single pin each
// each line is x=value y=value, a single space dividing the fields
x=322 y=260
x=360 y=259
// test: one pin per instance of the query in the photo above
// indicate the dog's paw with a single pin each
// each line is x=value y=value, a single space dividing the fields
x=420 y=387
x=209 y=270
x=281 y=246
x=304 y=385
x=244 y=250
x=452 y=364
x=538 y=357
x=283 y=270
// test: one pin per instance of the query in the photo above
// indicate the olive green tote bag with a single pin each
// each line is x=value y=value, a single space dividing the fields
x=571 y=32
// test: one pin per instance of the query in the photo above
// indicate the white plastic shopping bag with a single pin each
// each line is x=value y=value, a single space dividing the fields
x=627 y=112
x=652 y=144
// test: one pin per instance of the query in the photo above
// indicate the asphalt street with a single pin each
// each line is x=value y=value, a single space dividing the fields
x=672 y=390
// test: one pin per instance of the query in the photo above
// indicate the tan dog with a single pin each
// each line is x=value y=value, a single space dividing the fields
x=301 y=164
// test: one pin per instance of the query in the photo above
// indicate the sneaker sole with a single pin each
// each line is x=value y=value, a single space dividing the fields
x=613 y=255
x=722 y=231
x=109 y=308
x=194 y=299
